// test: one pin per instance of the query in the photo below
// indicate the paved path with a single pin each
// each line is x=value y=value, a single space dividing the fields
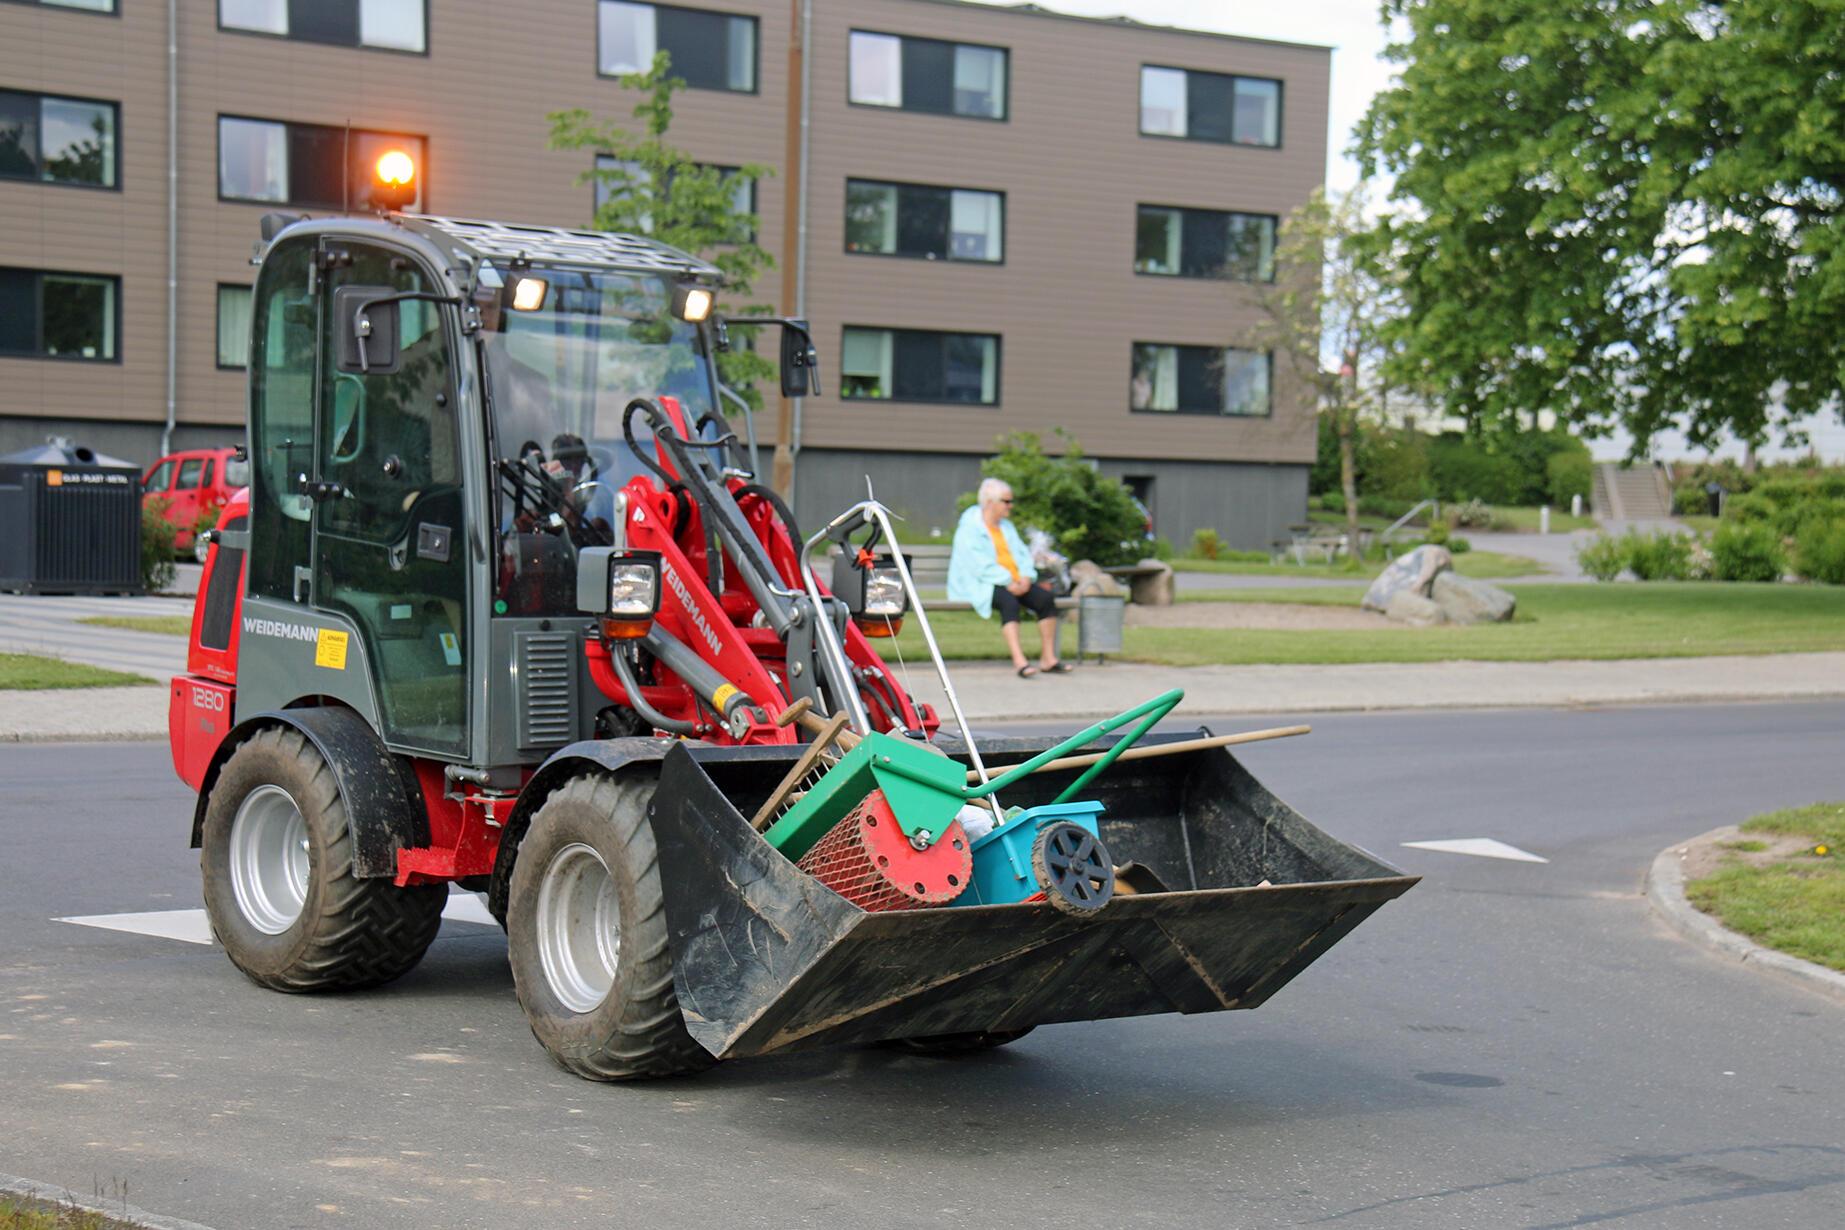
x=1511 y=1045
x=49 y=625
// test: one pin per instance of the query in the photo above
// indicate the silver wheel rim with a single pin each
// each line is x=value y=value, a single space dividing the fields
x=269 y=860
x=579 y=927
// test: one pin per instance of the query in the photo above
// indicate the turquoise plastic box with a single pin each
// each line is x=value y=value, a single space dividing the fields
x=1002 y=858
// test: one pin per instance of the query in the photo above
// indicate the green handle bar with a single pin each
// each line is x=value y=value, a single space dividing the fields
x=1149 y=712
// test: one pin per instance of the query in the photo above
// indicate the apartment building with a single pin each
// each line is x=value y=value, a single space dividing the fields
x=997 y=219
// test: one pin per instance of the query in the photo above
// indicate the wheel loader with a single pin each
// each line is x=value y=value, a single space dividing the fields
x=505 y=607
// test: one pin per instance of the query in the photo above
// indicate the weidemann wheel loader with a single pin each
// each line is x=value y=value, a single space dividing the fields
x=504 y=607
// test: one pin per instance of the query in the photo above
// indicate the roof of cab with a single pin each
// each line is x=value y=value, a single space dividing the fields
x=505 y=242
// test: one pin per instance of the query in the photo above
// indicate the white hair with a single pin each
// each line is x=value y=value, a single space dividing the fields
x=991 y=489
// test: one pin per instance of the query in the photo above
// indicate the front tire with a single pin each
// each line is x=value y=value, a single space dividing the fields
x=587 y=937
x=279 y=890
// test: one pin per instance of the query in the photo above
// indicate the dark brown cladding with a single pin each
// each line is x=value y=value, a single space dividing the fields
x=1068 y=157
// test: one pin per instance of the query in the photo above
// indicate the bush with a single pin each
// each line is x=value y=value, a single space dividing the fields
x=1819 y=551
x=1664 y=556
x=1567 y=475
x=1395 y=467
x=1786 y=504
x=1090 y=515
x=1602 y=557
x=1463 y=469
x=1742 y=551
x=1690 y=500
x=1437 y=533
x=1208 y=544
x=1457 y=545
x=157 y=567
x=1473 y=515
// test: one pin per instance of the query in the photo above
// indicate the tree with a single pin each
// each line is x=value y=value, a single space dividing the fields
x=1622 y=211
x=1331 y=295
x=656 y=189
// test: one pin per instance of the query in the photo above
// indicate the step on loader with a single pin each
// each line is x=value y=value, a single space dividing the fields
x=505 y=608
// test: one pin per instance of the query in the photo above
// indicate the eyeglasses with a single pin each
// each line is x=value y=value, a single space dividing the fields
x=1007 y=500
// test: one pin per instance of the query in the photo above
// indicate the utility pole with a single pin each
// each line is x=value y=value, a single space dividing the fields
x=782 y=478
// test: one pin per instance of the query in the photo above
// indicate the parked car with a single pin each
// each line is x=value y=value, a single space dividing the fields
x=195 y=483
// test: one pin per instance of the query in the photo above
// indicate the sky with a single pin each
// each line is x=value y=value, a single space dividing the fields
x=1349 y=27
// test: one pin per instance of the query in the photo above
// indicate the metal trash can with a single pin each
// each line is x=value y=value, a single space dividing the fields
x=1099 y=622
x=72 y=522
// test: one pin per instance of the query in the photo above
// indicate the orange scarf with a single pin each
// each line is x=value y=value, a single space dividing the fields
x=1003 y=553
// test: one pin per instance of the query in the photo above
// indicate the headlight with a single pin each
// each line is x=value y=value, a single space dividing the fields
x=634 y=589
x=884 y=598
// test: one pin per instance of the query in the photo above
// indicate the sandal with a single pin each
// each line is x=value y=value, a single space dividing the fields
x=1058 y=668
x=1027 y=671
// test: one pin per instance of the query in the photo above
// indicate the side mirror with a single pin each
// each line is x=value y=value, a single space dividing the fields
x=800 y=361
x=368 y=331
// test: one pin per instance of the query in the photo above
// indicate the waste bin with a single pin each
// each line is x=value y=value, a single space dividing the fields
x=1099 y=620
x=72 y=521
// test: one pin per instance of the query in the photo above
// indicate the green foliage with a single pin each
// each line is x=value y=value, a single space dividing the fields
x=1819 y=551
x=1437 y=534
x=1473 y=515
x=1788 y=503
x=1457 y=545
x=1090 y=515
x=1568 y=474
x=157 y=567
x=1464 y=469
x=1603 y=557
x=1617 y=210
x=1746 y=551
x=1689 y=499
x=657 y=189
x=1661 y=556
x=1395 y=466
x=1208 y=544
x=1369 y=505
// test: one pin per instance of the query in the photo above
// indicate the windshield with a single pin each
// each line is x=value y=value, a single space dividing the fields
x=560 y=376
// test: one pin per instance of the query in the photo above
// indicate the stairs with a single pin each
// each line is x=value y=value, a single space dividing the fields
x=1631 y=493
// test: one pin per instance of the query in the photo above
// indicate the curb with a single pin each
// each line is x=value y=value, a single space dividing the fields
x=82 y=736
x=1665 y=888
x=126 y=1213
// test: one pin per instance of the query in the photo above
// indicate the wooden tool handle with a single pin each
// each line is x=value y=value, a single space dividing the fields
x=1160 y=749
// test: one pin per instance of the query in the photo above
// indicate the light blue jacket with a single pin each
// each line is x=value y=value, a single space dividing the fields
x=974 y=567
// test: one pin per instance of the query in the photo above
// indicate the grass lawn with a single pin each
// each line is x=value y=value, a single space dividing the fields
x=1657 y=620
x=1791 y=898
x=166 y=625
x=1525 y=520
x=1487 y=565
x=17 y=1214
x=26 y=672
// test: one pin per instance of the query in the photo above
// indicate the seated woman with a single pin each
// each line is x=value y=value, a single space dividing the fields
x=989 y=567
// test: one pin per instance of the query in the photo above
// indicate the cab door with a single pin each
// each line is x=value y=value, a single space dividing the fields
x=388 y=511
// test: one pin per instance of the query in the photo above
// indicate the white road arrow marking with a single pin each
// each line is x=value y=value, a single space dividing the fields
x=190 y=925
x=1481 y=847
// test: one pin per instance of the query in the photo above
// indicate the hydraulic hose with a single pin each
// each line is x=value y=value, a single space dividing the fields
x=624 y=672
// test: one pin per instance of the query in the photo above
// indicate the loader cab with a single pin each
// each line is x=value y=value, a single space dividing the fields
x=359 y=587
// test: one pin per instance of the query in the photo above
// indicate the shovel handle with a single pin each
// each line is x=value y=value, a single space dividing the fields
x=1165 y=749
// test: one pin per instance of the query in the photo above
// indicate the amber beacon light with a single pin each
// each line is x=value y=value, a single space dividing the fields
x=394 y=179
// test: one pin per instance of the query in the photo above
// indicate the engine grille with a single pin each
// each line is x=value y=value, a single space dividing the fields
x=547 y=688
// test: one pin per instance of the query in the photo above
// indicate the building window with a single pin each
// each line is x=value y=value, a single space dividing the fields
x=919 y=365
x=960 y=224
x=388 y=25
x=233 y=326
x=1177 y=102
x=57 y=140
x=49 y=315
x=1204 y=243
x=1200 y=380
x=89 y=6
x=314 y=165
x=709 y=51
x=925 y=74
x=615 y=178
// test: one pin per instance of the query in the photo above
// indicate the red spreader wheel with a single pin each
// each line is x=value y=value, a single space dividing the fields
x=867 y=860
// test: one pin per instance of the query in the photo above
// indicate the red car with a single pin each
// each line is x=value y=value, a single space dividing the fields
x=194 y=482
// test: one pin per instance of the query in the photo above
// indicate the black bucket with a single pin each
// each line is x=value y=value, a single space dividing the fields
x=767 y=959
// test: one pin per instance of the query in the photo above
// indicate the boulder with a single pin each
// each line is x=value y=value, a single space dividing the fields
x=1409 y=607
x=1413 y=571
x=1467 y=601
x=1089 y=577
x=1154 y=587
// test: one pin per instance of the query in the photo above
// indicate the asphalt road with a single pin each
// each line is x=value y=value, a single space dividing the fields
x=1511 y=1044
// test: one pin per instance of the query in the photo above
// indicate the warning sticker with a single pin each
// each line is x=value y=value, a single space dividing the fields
x=451 y=648
x=724 y=693
x=54 y=478
x=330 y=649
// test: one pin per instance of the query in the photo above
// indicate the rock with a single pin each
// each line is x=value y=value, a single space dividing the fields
x=1468 y=601
x=1154 y=588
x=1088 y=577
x=1409 y=607
x=1413 y=571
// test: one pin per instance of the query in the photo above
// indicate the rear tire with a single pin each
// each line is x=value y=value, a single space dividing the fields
x=587 y=936
x=951 y=1046
x=276 y=854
